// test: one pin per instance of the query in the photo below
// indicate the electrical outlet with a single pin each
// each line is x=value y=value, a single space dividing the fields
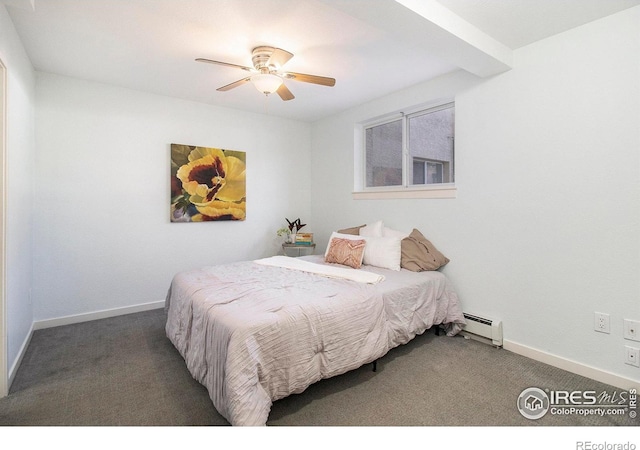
x=601 y=322
x=632 y=356
x=632 y=329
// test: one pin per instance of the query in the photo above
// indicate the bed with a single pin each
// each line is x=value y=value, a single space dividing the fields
x=253 y=332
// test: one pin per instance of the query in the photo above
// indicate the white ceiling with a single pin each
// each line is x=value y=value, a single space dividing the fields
x=371 y=47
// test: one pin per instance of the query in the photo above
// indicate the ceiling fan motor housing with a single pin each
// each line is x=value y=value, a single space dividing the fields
x=260 y=58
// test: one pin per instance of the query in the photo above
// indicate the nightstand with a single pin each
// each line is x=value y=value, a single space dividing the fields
x=298 y=250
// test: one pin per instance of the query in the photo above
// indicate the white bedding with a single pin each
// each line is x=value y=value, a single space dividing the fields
x=254 y=333
x=327 y=270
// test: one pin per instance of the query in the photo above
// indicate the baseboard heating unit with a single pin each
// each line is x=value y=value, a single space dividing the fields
x=482 y=329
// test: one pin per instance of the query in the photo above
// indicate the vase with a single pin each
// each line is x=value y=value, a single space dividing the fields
x=292 y=238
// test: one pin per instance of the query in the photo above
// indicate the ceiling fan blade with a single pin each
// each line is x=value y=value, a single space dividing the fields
x=279 y=58
x=234 y=84
x=284 y=93
x=220 y=63
x=315 y=79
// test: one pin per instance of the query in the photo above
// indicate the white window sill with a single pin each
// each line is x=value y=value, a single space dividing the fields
x=439 y=192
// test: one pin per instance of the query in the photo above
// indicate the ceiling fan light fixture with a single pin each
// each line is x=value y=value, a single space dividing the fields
x=266 y=83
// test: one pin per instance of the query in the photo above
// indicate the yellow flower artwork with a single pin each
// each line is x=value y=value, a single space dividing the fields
x=207 y=184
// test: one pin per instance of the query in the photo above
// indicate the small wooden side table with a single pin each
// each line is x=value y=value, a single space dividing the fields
x=298 y=250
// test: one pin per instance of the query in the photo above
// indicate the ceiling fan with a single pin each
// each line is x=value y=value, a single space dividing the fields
x=267 y=74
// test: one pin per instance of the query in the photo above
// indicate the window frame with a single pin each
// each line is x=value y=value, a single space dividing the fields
x=406 y=190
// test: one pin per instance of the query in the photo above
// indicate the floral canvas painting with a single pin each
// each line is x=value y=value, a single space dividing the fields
x=207 y=184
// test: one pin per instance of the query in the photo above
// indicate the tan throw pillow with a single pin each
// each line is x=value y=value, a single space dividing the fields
x=418 y=254
x=348 y=252
x=353 y=230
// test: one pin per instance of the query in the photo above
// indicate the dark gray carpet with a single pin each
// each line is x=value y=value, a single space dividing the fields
x=124 y=371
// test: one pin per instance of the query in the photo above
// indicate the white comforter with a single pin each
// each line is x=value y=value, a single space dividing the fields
x=327 y=270
x=254 y=333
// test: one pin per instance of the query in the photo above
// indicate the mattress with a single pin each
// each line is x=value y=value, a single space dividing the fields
x=254 y=333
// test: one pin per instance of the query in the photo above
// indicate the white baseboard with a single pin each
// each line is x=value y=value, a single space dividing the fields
x=78 y=318
x=23 y=349
x=572 y=366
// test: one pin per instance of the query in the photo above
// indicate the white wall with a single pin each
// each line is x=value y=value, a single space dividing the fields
x=19 y=172
x=102 y=237
x=545 y=228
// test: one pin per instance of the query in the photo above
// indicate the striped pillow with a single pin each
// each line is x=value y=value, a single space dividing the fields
x=348 y=252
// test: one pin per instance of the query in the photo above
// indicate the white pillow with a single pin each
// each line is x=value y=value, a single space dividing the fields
x=372 y=230
x=388 y=232
x=383 y=252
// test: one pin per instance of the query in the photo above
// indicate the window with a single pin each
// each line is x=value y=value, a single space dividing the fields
x=410 y=152
x=430 y=144
x=384 y=154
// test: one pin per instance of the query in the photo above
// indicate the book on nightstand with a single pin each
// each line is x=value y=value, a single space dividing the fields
x=304 y=238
